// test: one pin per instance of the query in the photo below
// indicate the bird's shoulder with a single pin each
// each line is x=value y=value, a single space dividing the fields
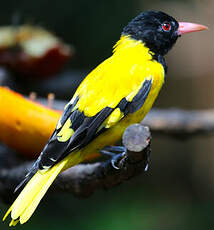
x=113 y=80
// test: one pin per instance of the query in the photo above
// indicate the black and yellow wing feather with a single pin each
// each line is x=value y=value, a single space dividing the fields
x=76 y=130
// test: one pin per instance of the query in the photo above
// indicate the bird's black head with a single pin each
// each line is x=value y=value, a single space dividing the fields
x=156 y=29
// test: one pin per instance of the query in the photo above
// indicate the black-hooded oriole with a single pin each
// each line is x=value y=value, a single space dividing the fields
x=118 y=92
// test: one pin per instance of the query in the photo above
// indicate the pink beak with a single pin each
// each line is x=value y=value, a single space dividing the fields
x=187 y=27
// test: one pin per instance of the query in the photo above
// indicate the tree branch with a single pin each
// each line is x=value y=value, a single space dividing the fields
x=82 y=180
x=180 y=123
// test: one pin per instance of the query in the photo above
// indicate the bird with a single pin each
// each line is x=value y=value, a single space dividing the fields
x=117 y=93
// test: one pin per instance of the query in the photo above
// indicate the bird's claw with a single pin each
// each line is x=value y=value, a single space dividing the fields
x=147 y=162
x=115 y=159
x=112 y=150
x=118 y=152
x=115 y=152
x=147 y=167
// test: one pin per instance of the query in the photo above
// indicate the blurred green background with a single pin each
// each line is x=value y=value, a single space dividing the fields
x=177 y=191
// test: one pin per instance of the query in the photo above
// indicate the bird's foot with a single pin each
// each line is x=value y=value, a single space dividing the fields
x=115 y=152
x=147 y=161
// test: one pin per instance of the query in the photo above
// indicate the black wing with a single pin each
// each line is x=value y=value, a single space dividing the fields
x=85 y=130
x=138 y=100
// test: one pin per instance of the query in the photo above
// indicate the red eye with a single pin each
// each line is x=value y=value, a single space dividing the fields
x=166 y=27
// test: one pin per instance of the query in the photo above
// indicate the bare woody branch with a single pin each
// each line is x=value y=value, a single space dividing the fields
x=82 y=180
x=180 y=123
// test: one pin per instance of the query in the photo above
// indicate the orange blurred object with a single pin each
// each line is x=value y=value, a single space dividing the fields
x=25 y=125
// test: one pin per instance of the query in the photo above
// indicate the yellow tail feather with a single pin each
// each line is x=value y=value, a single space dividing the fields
x=28 y=200
x=13 y=223
x=26 y=203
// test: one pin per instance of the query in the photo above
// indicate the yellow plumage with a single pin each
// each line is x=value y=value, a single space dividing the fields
x=66 y=132
x=120 y=76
